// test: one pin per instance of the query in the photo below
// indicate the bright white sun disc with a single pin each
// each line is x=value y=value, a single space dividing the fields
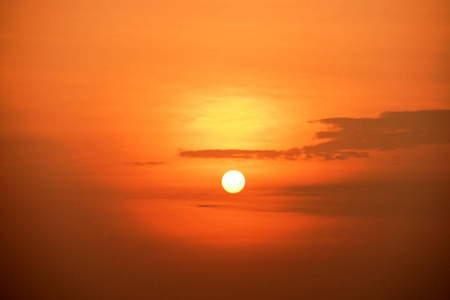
x=233 y=181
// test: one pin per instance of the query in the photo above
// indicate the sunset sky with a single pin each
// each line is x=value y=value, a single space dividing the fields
x=119 y=118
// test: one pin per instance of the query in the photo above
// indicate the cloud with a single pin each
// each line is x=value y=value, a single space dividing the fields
x=334 y=155
x=291 y=154
x=207 y=206
x=354 y=137
x=148 y=163
x=382 y=198
x=392 y=130
x=416 y=198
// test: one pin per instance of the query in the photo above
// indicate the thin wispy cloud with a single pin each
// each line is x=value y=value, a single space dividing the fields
x=291 y=154
x=357 y=199
x=147 y=163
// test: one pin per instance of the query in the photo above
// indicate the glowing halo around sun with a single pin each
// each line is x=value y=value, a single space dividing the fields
x=233 y=181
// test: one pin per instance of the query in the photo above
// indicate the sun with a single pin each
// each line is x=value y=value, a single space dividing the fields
x=233 y=181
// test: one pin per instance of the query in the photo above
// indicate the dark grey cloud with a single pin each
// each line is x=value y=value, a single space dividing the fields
x=147 y=163
x=355 y=137
x=390 y=131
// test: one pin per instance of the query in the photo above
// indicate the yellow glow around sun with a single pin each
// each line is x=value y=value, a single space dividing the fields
x=229 y=121
x=233 y=181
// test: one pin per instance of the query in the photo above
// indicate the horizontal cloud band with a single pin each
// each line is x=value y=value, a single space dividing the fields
x=291 y=154
x=147 y=163
x=353 y=137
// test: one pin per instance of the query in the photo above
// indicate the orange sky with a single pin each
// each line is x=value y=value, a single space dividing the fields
x=337 y=113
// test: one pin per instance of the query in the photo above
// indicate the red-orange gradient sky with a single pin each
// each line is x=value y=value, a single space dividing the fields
x=119 y=118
